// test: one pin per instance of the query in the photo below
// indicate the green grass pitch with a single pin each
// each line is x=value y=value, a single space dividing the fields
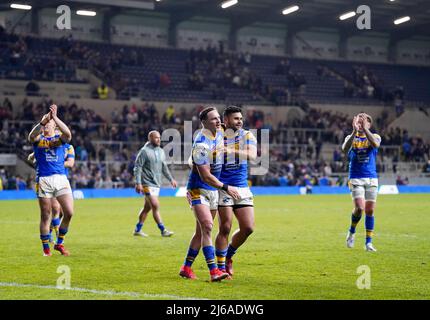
x=296 y=252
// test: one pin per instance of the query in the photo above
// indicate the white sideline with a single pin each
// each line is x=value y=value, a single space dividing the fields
x=100 y=292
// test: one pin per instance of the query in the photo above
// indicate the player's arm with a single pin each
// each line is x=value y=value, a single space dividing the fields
x=137 y=170
x=208 y=178
x=374 y=139
x=31 y=159
x=201 y=157
x=349 y=139
x=348 y=142
x=66 y=133
x=35 y=132
x=167 y=174
x=69 y=162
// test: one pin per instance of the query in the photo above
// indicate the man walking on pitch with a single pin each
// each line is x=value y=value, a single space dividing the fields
x=362 y=147
x=150 y=164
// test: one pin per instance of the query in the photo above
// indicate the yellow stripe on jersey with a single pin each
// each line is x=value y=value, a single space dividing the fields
x=360 y=144
x=43 y=143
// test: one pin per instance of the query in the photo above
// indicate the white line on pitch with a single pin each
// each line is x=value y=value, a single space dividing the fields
x=17 y=222
x=100 y=292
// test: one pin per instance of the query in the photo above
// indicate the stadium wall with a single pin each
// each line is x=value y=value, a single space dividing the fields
x=53 y=89
x=324 y=44
x=262 y=38
x=149 y=30
x=200 y=32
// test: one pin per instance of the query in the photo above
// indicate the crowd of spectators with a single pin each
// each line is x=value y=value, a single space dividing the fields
x=214 y=68
x=18 y=61
x=127 y=128
x=217 y=69
x=368 y=84
x=299 y=172
x=363 y=83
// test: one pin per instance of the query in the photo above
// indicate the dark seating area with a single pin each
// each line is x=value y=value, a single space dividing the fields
x=164 y=74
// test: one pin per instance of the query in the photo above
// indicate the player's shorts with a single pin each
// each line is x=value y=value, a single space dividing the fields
x=202 y=196
x=53 y=186
x=151 y=191
x=246 y=198
x=364 y=188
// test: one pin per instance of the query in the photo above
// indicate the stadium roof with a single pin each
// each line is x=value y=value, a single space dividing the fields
x=312 y=13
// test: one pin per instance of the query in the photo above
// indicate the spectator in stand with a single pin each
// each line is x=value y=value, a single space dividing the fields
x=103 y=91
x=426 y=168
x=170 y=114
x=20 y=183
x=165 y=80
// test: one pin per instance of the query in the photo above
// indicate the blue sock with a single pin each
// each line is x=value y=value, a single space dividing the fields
x=161 y=227
x=45 y=241
x=230 y=251
x=56 y=222
x=61 y=235
x=354 y=221
x=209 y=253
x=370 y=224
x=138 y=227
x=191 y=255
x=55 y=225
x=220 y=257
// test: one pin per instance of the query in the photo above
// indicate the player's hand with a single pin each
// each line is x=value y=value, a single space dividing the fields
x=30 y=157
x=355 y=123
x=366 y=123
x=139 y=188
x=174 y=184
x=53 y=110
x=232 y=191
x=45 y=119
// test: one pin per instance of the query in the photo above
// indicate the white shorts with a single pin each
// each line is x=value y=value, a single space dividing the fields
x=246 y=198
x=364 y=188
x=151 y=191
x=202 y=196
x=53 y=186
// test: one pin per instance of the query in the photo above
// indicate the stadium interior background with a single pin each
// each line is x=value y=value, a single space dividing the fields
x=152 y=65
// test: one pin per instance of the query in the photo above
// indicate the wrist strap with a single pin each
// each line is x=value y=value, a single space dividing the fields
x=224 y=187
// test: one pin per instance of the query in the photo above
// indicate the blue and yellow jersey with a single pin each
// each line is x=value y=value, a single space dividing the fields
x=207 y=150
x=362 y=158
x=70 y=154
x=50 y=153
x=235 y=170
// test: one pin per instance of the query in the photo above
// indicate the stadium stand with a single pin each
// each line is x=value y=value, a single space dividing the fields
x=105 y=150
x=143 y=72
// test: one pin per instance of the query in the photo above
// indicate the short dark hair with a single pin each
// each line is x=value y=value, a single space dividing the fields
x=203 y=115
x=230 y=110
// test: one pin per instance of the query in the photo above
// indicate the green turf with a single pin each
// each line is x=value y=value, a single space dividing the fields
x=296 y=252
